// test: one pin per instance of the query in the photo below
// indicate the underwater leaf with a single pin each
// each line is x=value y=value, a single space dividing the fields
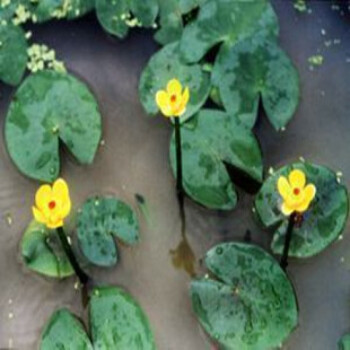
x=118 y=322
x=50 y=107
x=64 y=331
x=209 y=141
x=252 y=305
x=42 y=252
x=257 y=67
x=322 y=223
x=344 y=343
x=226 y=21
x=98 y=221
x=166 y=65
x=13 y=54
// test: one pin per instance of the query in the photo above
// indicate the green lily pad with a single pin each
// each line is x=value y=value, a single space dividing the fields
x=101 y=219
x=344 y=343
x=64 y=331
x=209 y=140
x=118 y=322
x=322 y=223
x=166 y=65
x=13 y=54
x=226 y=21
x=114 y=15
x=257 y=67
x=252 y=305
x=42 y=252
x=50 y=107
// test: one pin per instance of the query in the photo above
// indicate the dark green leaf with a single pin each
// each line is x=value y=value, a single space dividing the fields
x=49 y=107
x=344 y=343
x=118 y=322
x=252 y=305
x=98 y=221
x=226 y=21
x=13 y=54
x=257 y=66
x=166 y=65
x=42 y=252
x=145 y=11
x=63 y=332
x=209 y=140
x=322 y=223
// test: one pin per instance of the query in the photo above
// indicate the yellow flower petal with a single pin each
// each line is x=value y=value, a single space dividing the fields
x=38 y=215
x=174 y=87
x=66 y=208
x=297 y=179
x=43 y=196
x=60 y=189
x=286 y=210
x=309 y=195
x=284 y=187
x=186 y=96
x=54 y=224
x=162 y=100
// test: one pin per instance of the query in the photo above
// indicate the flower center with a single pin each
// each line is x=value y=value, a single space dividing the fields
x=296 y=191
x=173 y=98
x=52 y=205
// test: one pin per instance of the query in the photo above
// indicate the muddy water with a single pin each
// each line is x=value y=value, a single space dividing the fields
x=134 y=159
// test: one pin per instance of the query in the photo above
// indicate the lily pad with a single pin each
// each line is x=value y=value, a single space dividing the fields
x=118 y=322
x=344 y=343
x=257 y=67
x=222 y=21
x=42 y=252
x=101 y=219
x=166 y=65
x=252 y=305
x=209 y=141
x=50 y=107
x=64 y=331
x=13 y=54
x=114 y=15
x=322 y=223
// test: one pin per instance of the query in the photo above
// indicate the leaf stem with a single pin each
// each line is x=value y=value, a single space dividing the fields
x=289 y=234
x=179 y=181
x=83 y=277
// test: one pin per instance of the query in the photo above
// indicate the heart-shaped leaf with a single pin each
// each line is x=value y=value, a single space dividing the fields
x=13 y=53
x=166 y=65
x=344 y=343
x=118 y=322
x=257 y=66
x=211 y=139
x=64 y=331
x=50 y=107
x=116 y=16
x=98 y=221
x=42 y=252
x=252 y=304
x=322 y=223
x=226 y=21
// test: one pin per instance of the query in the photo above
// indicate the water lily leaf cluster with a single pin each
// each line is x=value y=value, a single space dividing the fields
x=249 y=66
x=51 y=108
x=97 y=224
x=249 y=303
x=321 y=225
x=116 y=321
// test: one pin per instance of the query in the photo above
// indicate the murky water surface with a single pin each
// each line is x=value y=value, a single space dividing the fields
x=134 y=159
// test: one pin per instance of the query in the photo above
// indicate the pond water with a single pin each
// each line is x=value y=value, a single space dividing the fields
x=134 y=160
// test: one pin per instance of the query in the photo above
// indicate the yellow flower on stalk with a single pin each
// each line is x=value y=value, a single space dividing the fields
x=296 y=195
x=52 y=204
x=173 y=101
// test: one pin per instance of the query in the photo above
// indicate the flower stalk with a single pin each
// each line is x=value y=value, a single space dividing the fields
x=291 y=224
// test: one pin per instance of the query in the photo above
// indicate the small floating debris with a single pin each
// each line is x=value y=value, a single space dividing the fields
x=316 y=60
x=9 y=220
x=300 y=5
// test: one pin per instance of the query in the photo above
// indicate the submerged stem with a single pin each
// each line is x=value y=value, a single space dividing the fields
x=289 y=233
x=179 y=181
x=83 y=277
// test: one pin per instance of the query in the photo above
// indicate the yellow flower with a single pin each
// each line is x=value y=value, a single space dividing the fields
x=173 y=101
x=296 y=195
x=52 y=204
